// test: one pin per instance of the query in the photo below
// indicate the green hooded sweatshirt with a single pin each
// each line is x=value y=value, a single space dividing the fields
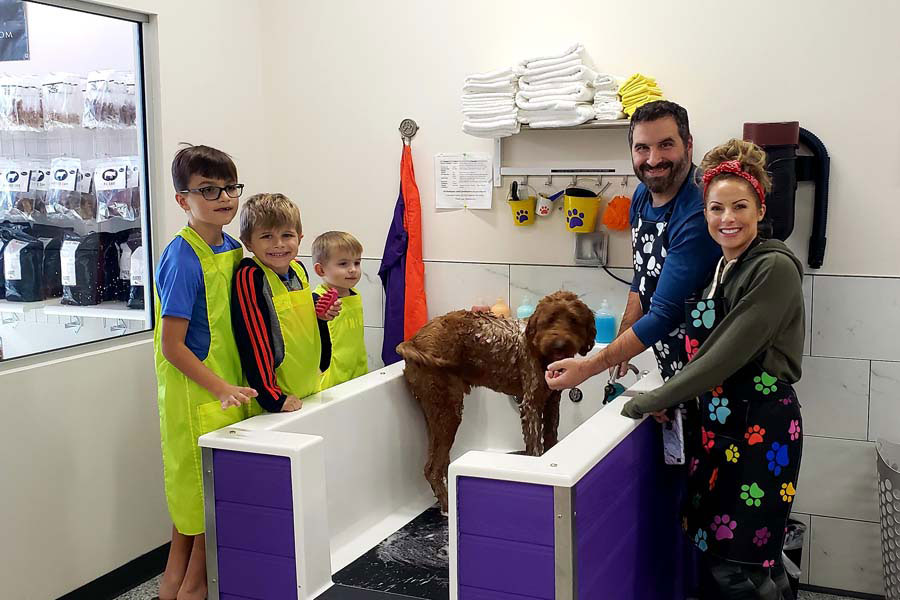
x=766 y=318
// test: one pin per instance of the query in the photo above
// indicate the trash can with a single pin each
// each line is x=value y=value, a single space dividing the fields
x=889 y=497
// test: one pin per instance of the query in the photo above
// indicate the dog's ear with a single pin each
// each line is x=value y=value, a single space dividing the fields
x=590 y=328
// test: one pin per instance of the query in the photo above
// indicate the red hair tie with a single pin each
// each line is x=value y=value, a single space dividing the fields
x=733 y=167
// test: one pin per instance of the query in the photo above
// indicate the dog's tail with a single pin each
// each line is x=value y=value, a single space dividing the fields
x=411 y=353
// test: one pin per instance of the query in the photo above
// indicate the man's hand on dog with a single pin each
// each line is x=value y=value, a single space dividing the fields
x=568 y=373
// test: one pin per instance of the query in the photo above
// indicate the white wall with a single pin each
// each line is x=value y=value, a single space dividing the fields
x=82 y=478
x=341 y=75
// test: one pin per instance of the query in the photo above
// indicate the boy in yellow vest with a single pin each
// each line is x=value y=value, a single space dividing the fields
x=197 y=366
x=336 y=255
x=283 y=345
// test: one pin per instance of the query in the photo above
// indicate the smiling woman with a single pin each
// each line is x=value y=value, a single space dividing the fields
x=744 y=340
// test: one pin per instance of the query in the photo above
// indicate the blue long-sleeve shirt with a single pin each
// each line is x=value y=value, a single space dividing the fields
x=690 y=259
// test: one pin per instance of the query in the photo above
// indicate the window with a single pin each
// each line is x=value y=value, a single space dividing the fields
x=74 y=222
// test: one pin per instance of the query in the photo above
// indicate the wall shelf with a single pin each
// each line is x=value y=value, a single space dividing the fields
x=105 y=310
x=619 y=168
x=20 y=308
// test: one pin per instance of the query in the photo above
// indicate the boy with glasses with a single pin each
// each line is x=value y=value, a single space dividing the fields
x=197 y=363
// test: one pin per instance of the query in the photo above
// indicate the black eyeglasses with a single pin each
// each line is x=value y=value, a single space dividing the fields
x=212 y=192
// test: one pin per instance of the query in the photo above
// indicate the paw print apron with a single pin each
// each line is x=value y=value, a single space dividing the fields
x=650 y=240
x=745 y=460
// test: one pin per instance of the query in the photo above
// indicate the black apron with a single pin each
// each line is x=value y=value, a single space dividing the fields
x=650 y=242
x=744 y=456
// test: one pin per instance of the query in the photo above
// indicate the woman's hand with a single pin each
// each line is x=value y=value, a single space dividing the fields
x=568 y=373
x=661 y=416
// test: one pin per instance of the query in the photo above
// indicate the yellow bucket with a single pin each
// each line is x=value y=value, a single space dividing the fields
x=523 y=209
x=581 y=207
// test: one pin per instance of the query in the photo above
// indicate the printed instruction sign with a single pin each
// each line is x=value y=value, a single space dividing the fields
x=463 y=180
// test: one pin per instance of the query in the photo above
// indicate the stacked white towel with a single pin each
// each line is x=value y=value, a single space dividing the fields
x=607 y=103
x=557 y=90
x=489 y=103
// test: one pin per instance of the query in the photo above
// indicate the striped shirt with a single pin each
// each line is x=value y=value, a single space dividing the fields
x=258 y=334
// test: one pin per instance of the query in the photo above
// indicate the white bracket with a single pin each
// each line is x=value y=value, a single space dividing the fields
x=75 y=323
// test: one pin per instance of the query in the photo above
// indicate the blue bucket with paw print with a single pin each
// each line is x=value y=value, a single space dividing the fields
x=581 y=207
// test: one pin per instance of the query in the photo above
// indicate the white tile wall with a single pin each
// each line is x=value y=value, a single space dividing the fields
x=374 y=337
x=837 y=479
x=804 y=557
x=807 y=306
x=454 y=286
x=590 y=283
x=846 y=555
x=856 y=317
x=884 y=409
x=834 y=394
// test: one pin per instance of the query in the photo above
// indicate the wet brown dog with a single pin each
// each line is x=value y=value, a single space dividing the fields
x=463 y=349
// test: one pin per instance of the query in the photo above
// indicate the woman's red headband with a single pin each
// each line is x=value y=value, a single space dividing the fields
x=733 y=167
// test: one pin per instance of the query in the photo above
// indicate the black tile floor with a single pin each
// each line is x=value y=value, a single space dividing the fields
x=412 y=562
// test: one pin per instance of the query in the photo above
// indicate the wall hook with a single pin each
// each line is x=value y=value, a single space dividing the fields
x=408 y=130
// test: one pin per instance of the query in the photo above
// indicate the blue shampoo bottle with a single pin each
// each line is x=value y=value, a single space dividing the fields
x=605 y=322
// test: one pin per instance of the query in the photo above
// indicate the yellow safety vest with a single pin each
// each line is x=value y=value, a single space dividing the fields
x=187 y=410
x=348 y=346
x=298 y=374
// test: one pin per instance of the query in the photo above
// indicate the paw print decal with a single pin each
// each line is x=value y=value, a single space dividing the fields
x=653 y=267
x=660 y=227
x=787 y=492
x=700 y=540
x=752 y=495
x=718 y=409
x=647 y=240
x=765 y=383
x=707 y=439
x=778 y=458
x=543 y=210
x=522 y=215
x=662 y=349
x=679 y=332
x=732 y=453
x=694 y=464
x=723 y=527
x=794 y=429
x=574 y=218
x=704 y=314
x=761 y=537
x=691 y=346
x=754 y=435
